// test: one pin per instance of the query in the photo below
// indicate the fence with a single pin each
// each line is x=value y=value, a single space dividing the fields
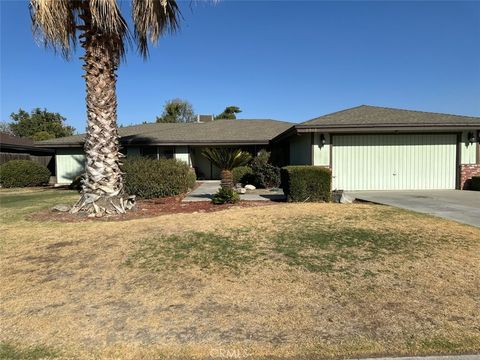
x=46 y=160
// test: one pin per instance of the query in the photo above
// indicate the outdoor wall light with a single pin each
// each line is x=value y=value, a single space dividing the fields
x=471 y=137
x=322 y=139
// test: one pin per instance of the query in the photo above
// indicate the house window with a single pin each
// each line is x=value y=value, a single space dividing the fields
x=166 y=152
x=149 y=151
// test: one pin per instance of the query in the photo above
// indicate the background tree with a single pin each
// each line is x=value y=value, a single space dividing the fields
x=5 y=128
x=103 y=34
x=177 y=111
x=226 y=160
x=229 y=113
x=39 y=124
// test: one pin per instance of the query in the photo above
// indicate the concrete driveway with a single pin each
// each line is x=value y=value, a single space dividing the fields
x=461 y=206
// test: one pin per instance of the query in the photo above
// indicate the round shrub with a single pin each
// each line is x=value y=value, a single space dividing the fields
x=77 y=183
x=242 y=174
x=150 y=178
x=265 y=175
x=22 y=173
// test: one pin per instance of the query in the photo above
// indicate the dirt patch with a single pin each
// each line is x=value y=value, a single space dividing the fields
x=149 y=208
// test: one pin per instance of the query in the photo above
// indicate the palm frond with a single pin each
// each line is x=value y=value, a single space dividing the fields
x=226 y=158
x=152 y=18
x=108 y=20
x=54 y=24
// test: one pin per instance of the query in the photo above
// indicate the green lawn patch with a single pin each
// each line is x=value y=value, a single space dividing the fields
x=311 y=244
x=11 y=352
x=203 y=250
x=14 y=205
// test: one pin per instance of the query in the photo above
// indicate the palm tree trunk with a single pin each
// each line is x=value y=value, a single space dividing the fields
x=102 y=190
x=226 y=179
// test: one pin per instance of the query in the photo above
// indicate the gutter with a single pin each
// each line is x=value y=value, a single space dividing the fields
x=157 y=143
x=383 y=127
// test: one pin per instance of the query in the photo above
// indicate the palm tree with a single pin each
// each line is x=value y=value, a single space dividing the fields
x=103 y=34
x=226 y=160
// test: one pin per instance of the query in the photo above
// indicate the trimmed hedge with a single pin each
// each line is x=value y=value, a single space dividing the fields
x=22 y=173
x=306 y=183
x=150 y=178
x=475 y=183
x=242 y=174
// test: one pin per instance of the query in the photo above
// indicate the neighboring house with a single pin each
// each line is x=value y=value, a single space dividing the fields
x=366 y=147
x=18 y=148
x=376 y=148
x=183 y=141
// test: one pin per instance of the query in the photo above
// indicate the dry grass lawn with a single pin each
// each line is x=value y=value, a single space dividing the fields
x=283 y=281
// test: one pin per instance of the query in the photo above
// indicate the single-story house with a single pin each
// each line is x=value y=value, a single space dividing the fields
x=366 y=147
x=183 y=141
x=19 y=148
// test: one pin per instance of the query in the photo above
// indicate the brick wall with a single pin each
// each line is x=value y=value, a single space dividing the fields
x=466 y=173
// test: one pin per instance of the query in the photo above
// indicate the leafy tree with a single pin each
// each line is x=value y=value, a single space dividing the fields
x=39 y=124
x=177 y=111
x=5 y=128
x=229 y=113
x=226 y=160
x=103 y=33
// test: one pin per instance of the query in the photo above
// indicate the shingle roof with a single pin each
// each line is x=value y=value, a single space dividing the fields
x=372 y=116
x=9 y=142
x=216 y=132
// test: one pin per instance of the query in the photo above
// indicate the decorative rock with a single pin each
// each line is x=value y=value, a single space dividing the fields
x=241 y=190
x=61 y=208
x=130 y=202
x=250 y=187
x=346 y=199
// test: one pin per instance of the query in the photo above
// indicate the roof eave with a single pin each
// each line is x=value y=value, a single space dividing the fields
x=168 y=143
x=384 y=128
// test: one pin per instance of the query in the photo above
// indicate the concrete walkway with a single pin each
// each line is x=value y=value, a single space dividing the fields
x=459 y=205
x=208 y=188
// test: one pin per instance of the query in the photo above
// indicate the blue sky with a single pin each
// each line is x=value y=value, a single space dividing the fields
x=286 y=60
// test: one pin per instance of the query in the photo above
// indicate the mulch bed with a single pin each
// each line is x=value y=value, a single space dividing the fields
x=149 y=208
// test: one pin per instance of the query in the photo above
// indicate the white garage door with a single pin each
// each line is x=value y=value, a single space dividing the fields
x=394 y=162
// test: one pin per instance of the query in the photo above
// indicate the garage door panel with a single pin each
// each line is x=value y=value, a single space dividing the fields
x=394 y=161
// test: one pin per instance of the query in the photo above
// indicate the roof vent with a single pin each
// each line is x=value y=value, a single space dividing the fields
x=204 y=118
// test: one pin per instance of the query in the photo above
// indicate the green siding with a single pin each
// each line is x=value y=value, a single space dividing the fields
x=468 y=152
x=182 y=153
x=394 y=162
x=70 y=163
x=301 y=149
x=321 y=152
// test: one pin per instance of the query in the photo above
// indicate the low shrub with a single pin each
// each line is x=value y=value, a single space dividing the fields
x=226 y=196
x=22 y=173
x=475 y=183
x=150 y=178
x=77 y=183
x=265 y=175
x=306 y=183
x=242 y=175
